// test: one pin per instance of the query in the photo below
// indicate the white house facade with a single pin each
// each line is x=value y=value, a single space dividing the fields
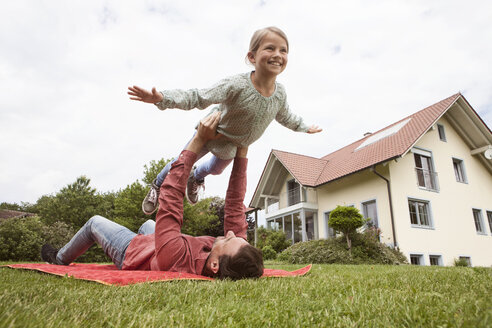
x=425 y=182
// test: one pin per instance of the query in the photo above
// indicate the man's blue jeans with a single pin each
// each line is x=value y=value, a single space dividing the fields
x=113 y=238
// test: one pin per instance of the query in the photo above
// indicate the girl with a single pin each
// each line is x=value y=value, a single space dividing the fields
x=248 y=103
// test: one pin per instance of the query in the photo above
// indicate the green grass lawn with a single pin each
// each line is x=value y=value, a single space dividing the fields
x=329 y=296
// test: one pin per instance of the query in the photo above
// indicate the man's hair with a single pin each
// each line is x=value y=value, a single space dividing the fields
x=247 y=263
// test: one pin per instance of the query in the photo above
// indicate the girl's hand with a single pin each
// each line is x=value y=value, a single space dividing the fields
x=314 y=129
x=140 y=94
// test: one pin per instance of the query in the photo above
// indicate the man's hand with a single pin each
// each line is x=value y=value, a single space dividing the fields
x=207 y=130
x=140 y=94
x=314 y=129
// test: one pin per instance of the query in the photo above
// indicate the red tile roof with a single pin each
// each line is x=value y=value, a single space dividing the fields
x=310 y=171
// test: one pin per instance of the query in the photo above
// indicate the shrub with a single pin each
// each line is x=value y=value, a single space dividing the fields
x=346 y=219
x=268 y=253
x=460 y=262
x=276 y=239
x=60 y=233
x=57 y=234
x=93 y=255
x=21 y=239
x=366 y=249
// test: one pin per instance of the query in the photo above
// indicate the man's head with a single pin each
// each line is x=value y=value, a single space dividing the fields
x=233 y=257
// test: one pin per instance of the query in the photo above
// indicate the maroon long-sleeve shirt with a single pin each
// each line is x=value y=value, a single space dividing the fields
x=170 y=250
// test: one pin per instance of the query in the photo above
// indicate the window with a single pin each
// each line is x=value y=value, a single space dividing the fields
x=330 y=232
x=383 y=134
x=297 y=227
x=291 y=225
x=288 y=226
x=426 y=177
x=489 y=217
x=459 y=170
x=279 y=224
x=442 y=133
x=467 y=259
x=275 y=224
x=435 y=260
x=293 y=193
x=416 y=259
x=477 y=217
x=370 y=211
x=419 y=213
x=310 y=225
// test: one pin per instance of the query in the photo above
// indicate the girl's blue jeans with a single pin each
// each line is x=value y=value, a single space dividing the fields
x=213 y=166
x=113 y=238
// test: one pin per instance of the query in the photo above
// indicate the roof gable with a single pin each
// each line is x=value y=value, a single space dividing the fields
x=351 y=159
x=296 y=165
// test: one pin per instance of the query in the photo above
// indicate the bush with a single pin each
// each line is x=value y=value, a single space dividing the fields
x=268 y=253
x=57 y=234
x=460 y=262
x=366 y=249
x=60 y=233
x=21 y=239
x=276 y=239
x=94 y=254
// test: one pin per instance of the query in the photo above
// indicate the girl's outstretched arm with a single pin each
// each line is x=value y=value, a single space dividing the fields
x=141 y=94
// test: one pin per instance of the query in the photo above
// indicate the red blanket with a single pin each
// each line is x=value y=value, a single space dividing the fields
x=110 y=275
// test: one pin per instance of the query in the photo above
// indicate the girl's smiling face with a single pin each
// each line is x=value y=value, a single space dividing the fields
x=272 y=55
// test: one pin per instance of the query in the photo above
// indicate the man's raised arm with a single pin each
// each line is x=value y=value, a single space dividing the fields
x=234 y=217
x=169 y=246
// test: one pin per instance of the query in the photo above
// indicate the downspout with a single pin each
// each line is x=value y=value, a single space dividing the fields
x=373 y=169
x=256 y=226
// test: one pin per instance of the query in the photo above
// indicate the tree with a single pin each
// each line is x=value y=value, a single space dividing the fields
x=74 y=204
x=153 y=169
x=346 y=219
x=10 y=206
x=128 y=206
x=216 y=206
x=202 y=219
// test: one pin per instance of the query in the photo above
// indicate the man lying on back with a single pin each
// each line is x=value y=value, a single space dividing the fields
x=230 y=256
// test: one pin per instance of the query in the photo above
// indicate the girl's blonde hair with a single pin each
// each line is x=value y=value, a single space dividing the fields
x=258 y=36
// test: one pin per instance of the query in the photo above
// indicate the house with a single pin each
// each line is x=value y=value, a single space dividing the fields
x=424 y=181
x=8 y=214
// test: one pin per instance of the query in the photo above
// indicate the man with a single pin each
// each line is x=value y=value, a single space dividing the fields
x=168 y=249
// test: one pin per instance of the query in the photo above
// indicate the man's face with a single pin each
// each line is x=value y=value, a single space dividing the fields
x=228 y=245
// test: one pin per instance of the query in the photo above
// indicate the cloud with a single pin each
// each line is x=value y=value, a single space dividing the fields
x=354 y=66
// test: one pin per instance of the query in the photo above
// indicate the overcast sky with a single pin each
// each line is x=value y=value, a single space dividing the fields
x=354 y=67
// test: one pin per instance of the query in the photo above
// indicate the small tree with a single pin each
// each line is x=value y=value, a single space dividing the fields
x=153 y=169
x=346 y=219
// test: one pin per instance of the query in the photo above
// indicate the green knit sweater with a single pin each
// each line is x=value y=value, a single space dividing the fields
x=245 y=112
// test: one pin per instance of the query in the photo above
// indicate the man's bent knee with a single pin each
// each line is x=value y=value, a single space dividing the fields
x=147 y=228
